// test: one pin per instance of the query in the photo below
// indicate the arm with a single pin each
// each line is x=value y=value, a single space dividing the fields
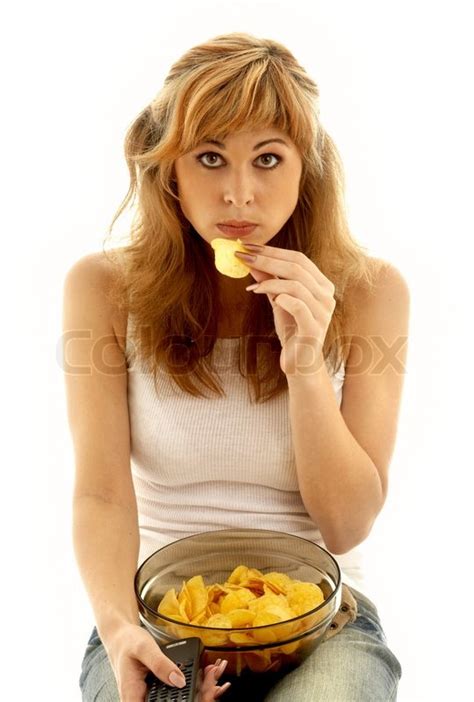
x=106 y=546
x=343 y=456
x=105 y=528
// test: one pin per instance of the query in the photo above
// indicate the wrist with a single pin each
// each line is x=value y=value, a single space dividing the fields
x=112 y=625
x=316 y=374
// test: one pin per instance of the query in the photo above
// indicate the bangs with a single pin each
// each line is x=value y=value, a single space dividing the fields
x=255 y=97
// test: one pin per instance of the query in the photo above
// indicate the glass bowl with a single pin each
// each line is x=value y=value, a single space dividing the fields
x=271 y=650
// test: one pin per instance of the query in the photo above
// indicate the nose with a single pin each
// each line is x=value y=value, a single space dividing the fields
x=238 y=189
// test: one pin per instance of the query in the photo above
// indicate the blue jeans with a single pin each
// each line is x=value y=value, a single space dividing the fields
x=355 y=665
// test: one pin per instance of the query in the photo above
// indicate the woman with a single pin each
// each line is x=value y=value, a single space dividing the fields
x=234 y=134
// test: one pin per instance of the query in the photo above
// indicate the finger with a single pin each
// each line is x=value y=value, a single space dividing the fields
x=220 y=669
x=160 y=665
x=259 y=276
x=221 y=690
x=290 y=287
x=134 y=693
x=289 y=255
x=306 y=323
x=286 y=270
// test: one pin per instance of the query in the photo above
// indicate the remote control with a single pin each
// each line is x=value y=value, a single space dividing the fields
x=186 y=653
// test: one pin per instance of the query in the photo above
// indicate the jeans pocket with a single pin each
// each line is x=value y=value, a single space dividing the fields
x=368 y=620
x=370 y=625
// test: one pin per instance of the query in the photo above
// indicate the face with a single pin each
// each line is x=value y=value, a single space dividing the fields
x=240 y=180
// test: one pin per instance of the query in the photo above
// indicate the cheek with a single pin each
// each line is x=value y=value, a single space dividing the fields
x=285 y=195
x=194 y=202
x=197 y=190
x=186 y=203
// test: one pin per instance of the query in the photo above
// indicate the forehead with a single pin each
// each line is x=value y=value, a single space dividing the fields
x=249 y=138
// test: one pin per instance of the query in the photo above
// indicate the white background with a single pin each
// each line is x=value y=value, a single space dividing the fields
x=395 y=88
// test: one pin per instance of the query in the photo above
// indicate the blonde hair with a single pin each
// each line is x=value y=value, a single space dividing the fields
x=166 y=279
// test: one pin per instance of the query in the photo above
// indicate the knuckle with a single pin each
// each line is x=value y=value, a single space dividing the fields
x=296 y=267
x=141 y=648
x=298 y=285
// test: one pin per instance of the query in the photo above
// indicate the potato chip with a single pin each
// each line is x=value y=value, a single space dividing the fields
x=183 y=611
x=247 y=599
x=282 y=613
x=255 y=573
x=238 y=574
x=290 y=648
x=197 y=592
x=241 y=618
x=279 y=582
x=264 y=635
x=261 y=603
x=200 y=619
x=221 y=621
x=242 y=639
x=184 y=599
x=169 y=605
x=217 y=638
x=303 y=597
x=213 y=609
x=215 y=591
x=236 y=600
x=224 y=258
x=258 y=661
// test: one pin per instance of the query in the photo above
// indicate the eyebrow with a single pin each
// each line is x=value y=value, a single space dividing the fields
x=257 y=146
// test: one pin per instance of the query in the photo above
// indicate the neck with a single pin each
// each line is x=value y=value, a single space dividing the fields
x=231 y=316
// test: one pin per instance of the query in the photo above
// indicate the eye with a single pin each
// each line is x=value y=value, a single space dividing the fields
x=214 y=167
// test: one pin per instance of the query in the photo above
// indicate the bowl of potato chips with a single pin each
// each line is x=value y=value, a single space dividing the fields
x=261 y=599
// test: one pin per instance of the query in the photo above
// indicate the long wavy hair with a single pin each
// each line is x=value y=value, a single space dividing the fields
x=165 y=278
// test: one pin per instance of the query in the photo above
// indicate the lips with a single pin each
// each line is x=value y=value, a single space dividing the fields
x=236 y=232
x=237 y=223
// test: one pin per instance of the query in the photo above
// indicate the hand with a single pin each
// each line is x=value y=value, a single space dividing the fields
x=209 y=689
x=133 y=652
x=303 y=303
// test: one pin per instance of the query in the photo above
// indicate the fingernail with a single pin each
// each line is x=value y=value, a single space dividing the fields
x=221 y=668
x=252 y=287
x=218 y=661
x=178 y=680
x=246 y=257
x=253 y=247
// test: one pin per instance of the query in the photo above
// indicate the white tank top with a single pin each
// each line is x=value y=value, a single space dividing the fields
x=215 y=463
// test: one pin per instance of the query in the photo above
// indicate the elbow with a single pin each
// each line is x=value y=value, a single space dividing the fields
x=344 y=532
x=343 y=540
x=341 y=546
x=338 y=548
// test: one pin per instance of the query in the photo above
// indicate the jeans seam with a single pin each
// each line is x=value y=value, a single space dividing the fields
x=393 y=694
x=99 y=690
x=89 y=660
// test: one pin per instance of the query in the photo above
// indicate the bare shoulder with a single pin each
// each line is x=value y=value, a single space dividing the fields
x=390 y=279
x=95 y=271
x=388 y=299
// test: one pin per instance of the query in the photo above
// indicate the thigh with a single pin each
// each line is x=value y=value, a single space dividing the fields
x=97 y=680
x=355 y=665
